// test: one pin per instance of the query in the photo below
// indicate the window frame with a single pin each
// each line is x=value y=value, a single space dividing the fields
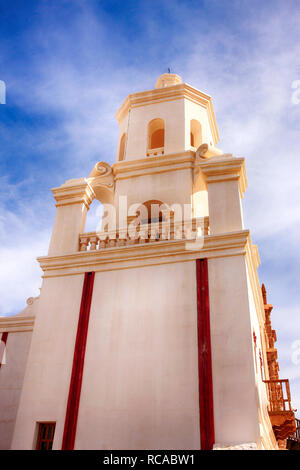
x=45 y=426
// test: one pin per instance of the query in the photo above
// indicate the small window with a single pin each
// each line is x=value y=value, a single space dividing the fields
x=45 y=436
x=192 y=140
x=196 y=133
x=156 y=137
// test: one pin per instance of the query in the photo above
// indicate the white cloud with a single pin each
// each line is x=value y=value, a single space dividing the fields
x=20 y=275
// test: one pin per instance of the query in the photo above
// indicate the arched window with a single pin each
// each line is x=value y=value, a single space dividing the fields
x=156 y=137
x=196 y=133
x=122 y=147
x=154 y=208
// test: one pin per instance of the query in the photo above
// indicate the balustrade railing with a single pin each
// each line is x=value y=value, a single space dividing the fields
x=279 y=395
x=153 y=232
x=297 y=433
x=156 y=151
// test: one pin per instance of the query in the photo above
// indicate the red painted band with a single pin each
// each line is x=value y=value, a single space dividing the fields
x=78 y=364
x=207 y=431
x=2 y=345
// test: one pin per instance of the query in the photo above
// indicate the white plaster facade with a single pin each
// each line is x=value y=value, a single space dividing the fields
x=140 y=385
x=19 y=329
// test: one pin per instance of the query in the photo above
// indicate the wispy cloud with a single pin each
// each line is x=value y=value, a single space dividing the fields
x=22 y=239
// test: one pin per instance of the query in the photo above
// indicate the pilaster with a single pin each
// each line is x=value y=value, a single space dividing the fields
x=226 y=181
x=72 y=201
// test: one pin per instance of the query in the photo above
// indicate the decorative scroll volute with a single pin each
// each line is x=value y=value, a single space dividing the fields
x=101 y=180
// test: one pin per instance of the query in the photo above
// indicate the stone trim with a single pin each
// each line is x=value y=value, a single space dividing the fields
x=154 y=165
x=76 y=191
x=171 y=93
x=16 y=324
x=226 y=168
x=144 y=254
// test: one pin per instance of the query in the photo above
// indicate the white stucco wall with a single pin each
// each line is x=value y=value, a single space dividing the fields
x=11 y=379
x=140 y=381
x=172 y=112
x=172 y=187
x=47 y=378
x=234 y=386
x=265 y=424
x=199 y=113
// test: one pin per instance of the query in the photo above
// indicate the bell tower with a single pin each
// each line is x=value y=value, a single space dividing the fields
x=159 y=132
x=154 y=342
x=174 y=117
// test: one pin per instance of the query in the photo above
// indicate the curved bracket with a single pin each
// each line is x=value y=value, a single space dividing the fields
x=101 y=179
x=208 y=151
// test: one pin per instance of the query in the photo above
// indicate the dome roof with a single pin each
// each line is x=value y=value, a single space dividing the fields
x=168 y=79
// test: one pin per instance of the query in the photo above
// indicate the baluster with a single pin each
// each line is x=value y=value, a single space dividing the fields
x=188 y=233
x=122 y=237
x=130 y=241
x=111 y=242
x=206 y=225
x=102 y=244
x=122 y=241
x=178 y=233
x=143 y=235
x=93 y=242
x=83 y=243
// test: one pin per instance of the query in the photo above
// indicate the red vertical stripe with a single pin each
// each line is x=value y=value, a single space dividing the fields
x=207 y=431
x=78 y=364
x=2 y=345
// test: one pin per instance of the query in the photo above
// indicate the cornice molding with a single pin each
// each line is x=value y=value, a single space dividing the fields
x=144 y=254
x=226 y=168
x=16 y=324
x=75 y=191
x=171 y=93
x=154 y=165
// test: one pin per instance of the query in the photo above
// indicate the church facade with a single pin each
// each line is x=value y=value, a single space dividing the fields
x=153 y=331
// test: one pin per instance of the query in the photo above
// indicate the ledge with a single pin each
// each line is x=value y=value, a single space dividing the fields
x=152 y=165
x=75 y=191
x=218 y=169
x=16 y=324
x=144 y=254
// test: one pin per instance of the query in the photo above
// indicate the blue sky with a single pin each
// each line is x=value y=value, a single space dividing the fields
x=68 y=65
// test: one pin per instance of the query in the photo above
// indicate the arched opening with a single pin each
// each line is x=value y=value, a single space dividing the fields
x=94 y=217
x=192 y=140
x=196 y=133
x=154 y=210
x=156 y=137
x=122 y=147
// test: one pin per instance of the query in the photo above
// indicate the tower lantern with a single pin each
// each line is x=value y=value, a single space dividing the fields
x=172 y=118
